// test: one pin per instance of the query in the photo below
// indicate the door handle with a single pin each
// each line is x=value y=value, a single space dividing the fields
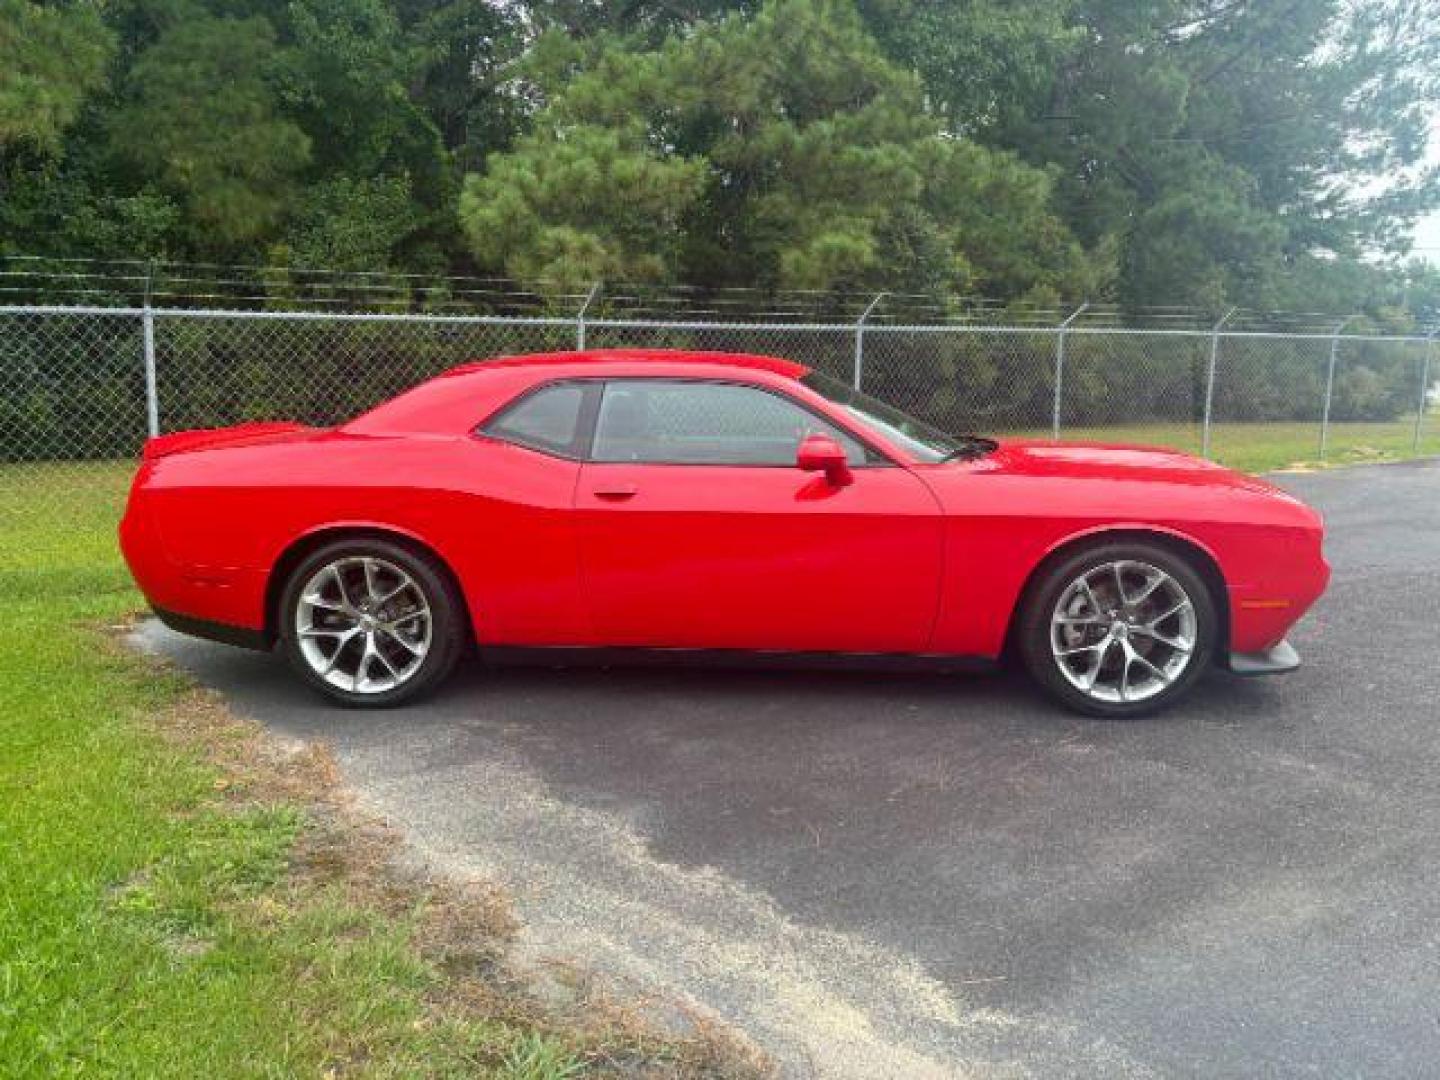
x=616 y=492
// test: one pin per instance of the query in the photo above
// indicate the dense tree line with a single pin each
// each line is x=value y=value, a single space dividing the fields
x=1262 y=152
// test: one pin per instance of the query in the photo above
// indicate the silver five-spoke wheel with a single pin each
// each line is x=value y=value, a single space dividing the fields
x=1123 y=631
x=363 y=624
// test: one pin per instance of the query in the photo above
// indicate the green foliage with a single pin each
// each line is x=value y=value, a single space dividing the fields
x=50 y=58
x=461 y=50
x=592 y=205
x=1176 y=151
x=981 y=61
x=349 y=223
x=1226 y=143
x=349 y=72
x=782 y=149
x=534 y=1057
x=228 y=157
x=319 y=131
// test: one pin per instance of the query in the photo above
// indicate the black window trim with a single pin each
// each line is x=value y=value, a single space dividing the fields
x=580 y=444
x=885 y=460
x=582 y=447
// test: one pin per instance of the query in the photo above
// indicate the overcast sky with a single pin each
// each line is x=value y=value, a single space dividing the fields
x=1427 y=237
x=1427 y=229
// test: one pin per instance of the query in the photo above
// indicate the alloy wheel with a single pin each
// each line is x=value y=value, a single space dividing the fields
x=1123 y=631
x=363 y=624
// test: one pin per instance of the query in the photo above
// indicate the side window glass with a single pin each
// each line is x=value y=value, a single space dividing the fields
x=548 y=420
x=700 y=423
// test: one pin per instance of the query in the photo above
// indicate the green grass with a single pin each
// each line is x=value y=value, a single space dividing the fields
x=1259 y=447
x=150 y=925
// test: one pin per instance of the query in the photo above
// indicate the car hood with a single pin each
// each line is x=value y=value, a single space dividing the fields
x=1117 y=461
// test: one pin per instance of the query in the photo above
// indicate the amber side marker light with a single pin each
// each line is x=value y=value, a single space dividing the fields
x=1264 y=605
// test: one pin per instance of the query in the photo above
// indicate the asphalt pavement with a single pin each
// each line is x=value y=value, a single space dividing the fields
x=901 y=875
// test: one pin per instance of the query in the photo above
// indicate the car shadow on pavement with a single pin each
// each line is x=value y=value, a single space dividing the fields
x=880 y=803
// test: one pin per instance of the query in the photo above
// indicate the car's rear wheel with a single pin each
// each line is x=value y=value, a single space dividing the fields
x=1119 y=629
x=371 y=623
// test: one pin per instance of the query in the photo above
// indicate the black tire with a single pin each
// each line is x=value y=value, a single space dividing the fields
x=448 y=624
x=1052 y=584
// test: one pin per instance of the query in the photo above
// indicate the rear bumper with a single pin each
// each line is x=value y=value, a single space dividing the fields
x=228 y=597
x=1276 y=660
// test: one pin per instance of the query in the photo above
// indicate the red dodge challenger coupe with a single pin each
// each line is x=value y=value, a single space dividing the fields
x=686 y=503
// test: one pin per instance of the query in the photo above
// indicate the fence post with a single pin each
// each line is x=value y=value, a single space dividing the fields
x=1210 y=381
x=580 y=317
x=152 y=389
x=1424 y=389
x=1330 y=384
x=860 y=338
x=1060 y=332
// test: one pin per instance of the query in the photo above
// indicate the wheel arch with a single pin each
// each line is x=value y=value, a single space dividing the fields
x=302 y=546
x=1200 y=558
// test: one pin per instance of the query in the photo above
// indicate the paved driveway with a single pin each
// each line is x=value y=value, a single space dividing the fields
x=900 y=875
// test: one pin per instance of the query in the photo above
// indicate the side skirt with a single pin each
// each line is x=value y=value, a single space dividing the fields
x=635 y=656
x=226 y=634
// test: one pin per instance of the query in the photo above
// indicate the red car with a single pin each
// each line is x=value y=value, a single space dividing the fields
x=681 y=503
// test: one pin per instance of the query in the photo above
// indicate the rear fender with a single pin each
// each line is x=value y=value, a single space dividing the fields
x=286 y=560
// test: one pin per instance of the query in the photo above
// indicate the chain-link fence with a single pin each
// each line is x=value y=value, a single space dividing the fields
x=84 y=386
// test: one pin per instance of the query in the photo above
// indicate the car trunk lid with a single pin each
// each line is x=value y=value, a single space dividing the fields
x=250 y=434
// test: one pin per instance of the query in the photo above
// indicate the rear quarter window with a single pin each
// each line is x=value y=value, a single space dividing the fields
x=547 y=419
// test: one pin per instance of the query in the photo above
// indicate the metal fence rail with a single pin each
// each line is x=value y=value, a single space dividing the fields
x=88 y=384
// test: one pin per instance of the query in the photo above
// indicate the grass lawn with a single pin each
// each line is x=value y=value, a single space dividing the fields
x=170 y=904
x=1259 y=447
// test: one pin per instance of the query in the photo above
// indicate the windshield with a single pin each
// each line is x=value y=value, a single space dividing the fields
x=918 y=438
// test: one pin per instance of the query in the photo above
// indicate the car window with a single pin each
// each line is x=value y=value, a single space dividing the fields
x=685 y=422
x=925 y=441
x=548 y=419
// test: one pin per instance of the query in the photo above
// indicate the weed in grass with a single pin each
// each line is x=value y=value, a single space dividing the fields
x=534 y=1057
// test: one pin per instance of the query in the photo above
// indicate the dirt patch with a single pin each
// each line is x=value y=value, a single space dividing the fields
x=463 y=929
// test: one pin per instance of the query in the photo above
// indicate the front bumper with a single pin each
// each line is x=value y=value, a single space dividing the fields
x=1276 y=660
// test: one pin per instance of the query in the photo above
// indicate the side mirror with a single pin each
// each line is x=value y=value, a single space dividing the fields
x=821 y=453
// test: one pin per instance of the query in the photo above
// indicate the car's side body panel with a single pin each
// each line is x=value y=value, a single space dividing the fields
x=910 y=558
x=735 y=557
x=498 y=516
x=1008 y=512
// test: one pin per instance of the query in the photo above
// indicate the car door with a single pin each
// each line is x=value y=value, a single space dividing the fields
x=518 y=549
x=697 y=529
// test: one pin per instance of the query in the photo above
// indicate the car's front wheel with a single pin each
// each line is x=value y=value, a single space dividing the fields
x=371 y=622
x=1119 y=629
